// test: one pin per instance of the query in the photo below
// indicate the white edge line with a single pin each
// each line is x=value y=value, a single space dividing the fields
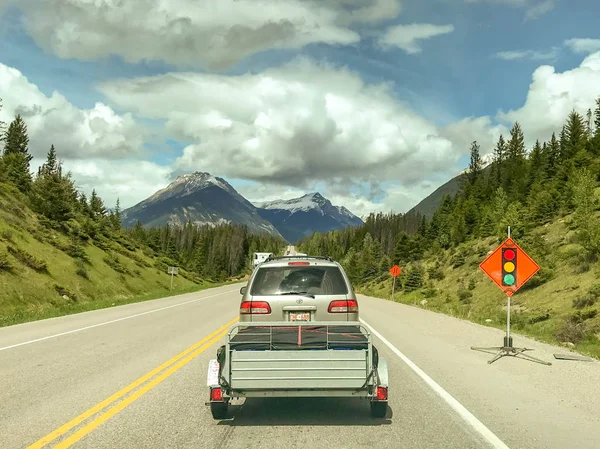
x=112 y=321
x=486 y=433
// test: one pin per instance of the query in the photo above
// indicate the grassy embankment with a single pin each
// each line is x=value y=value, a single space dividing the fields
x=559 y=305
x=43 y=275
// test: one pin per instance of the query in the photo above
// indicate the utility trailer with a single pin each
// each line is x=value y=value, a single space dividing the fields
x=289 y=359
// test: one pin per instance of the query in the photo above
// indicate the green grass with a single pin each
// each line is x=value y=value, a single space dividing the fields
x=43 y=276
x=542 y=309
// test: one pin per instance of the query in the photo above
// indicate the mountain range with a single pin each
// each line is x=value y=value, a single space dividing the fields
x=204 y=199
x=429 y=205
x=303 y=216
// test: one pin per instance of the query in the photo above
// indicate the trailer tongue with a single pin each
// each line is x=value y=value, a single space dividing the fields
x=299 y=360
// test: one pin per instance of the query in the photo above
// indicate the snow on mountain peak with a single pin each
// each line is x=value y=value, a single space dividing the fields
x=190 y=183
x=486 y=160
x=304 y=203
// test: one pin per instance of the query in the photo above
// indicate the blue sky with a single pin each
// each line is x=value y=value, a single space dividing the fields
x=454 y=76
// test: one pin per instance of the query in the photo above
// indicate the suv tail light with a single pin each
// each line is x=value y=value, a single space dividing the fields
x=255 y=308
x=298 y=263
x=343 y=306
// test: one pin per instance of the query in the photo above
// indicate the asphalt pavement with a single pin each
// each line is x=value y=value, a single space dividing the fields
x=135 y=377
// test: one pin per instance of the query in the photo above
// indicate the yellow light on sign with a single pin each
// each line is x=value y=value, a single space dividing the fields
x=509 y=267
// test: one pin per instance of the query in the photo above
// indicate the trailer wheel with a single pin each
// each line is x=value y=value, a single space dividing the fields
x=379 y=409
x=218 y=410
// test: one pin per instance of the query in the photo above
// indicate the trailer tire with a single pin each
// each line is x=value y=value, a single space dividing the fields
x=379 y=409
x=218 y=410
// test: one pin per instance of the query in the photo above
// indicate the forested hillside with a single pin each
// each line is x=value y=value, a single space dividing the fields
x=550 y=198
x=62 y=252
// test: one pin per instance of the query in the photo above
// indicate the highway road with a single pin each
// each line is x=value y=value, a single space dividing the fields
x=135 y=377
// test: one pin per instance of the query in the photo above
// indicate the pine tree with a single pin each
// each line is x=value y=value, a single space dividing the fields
x=515 y=180
x=499 y=158
x=595 y=144
x=115 y=217
x=53 y=194
x=553 y=158
x=16 y=157
x=475 y=164
x=97 y=206
x=597 y=117
x=537 y=163
x=414 y=278
x=575 y=134
x=2 y=124
x=586 y=203
x=368 y=258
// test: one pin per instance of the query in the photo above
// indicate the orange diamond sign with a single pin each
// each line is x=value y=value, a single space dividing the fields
x=509 y=267
x=395 y=270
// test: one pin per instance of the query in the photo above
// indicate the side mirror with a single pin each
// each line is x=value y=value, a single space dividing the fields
x=243 y=290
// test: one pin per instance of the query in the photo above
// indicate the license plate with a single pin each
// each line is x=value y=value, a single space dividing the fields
x=299 y=316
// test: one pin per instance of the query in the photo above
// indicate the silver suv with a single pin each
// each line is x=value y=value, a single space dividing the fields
x=298 y=289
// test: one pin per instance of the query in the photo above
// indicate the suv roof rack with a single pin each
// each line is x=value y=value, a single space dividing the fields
x=271 y=257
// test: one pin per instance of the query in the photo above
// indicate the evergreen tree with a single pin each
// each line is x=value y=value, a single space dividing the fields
x=16 y=157
x=595 y=141
x=475 y=164
x=53 y=194
x=97 y=208
x=575 y=135
x=2 y=124
x=414 y=278
x=368 y=258
x=552 y=159
x=537 y=163
x=115 y=218
x=499 y=158
x=586 y=203
x=515 y=180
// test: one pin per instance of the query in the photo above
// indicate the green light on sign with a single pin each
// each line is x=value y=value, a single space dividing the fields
x=509 y=279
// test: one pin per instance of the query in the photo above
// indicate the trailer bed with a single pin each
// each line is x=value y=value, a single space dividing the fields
x=299 y=336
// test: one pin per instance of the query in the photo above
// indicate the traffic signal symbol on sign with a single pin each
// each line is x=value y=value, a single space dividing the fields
x=509 y=267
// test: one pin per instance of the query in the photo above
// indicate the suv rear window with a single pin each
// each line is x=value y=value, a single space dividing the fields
x=311 y=279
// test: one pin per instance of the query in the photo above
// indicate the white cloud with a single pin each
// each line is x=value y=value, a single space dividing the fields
x=583 y=45
x=217 y=34
x=527 y=54
x=296 y=124
x=396 y=197
x=470 y=129
x=406 y=36
x=552 y=96
x=129 y=180
x=76 y=133
x=534 y=9
x=538 y=10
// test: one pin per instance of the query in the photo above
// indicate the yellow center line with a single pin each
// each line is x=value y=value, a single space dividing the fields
x=75 y=437
x=98 y=407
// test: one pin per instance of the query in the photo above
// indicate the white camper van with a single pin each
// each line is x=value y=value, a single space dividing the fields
x=260 y=258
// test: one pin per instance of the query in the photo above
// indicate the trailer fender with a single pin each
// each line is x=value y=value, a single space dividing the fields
x=382 y=373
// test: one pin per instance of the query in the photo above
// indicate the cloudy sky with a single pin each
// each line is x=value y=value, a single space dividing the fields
x=374 y=103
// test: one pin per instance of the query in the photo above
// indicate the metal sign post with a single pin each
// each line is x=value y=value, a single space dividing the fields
x=395 y=271
x=173 y=271
x=509 y=267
